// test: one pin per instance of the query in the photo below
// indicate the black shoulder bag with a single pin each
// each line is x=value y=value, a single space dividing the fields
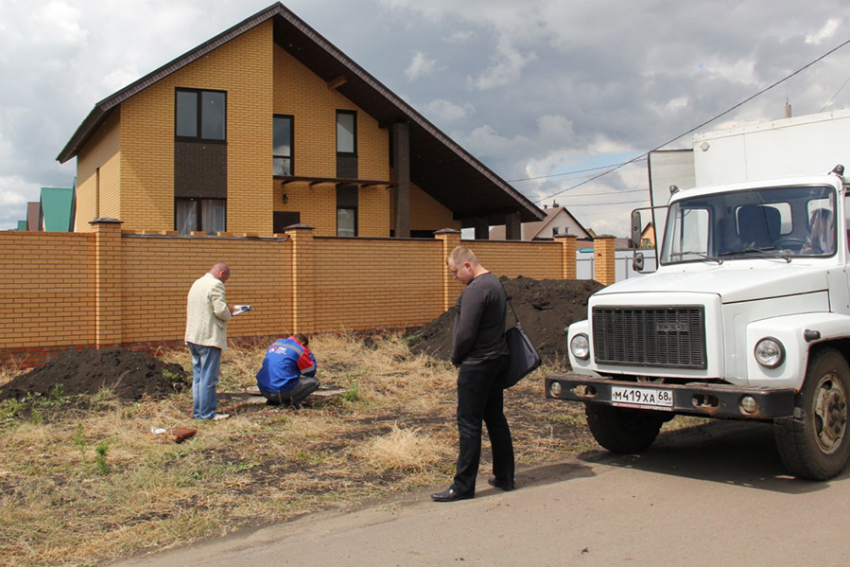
x=523 y=356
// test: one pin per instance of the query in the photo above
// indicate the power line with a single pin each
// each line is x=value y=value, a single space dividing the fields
x=612 y=204
x=606 y=193
x=565 y=173
x=835 y=95
x=695 y=128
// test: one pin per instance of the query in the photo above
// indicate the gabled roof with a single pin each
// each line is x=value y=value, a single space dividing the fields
x=535 y=228
x=57 y=207
x=437 y=164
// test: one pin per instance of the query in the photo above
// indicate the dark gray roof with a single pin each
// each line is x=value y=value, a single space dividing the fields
x=438 y=165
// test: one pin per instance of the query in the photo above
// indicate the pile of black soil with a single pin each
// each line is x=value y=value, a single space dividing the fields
x=130 y=376
x=545 y=308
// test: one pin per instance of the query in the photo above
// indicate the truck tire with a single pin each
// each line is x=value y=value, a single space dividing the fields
x=816 y=446
x=622 y=430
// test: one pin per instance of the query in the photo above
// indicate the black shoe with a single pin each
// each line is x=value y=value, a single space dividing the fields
x=451 y=495
x=506 y=485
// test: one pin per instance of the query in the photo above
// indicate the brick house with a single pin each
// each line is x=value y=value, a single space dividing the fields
x=268 y=125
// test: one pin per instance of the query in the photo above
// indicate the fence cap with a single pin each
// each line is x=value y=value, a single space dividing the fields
x=299 y=227
x=106 y=220
x=447 y=231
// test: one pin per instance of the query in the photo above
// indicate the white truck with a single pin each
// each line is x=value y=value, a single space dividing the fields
x=747 y=317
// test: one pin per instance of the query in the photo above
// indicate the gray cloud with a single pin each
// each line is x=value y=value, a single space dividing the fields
x=531 y=88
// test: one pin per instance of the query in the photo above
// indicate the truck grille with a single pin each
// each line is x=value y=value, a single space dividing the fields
x=655 y=336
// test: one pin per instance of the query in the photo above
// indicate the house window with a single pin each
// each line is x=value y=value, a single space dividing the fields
x=556 y=231
x=346 y=210
x=346 y=133
x=282 y=152
x=346 y=222
x=283 y=219
x=207 y=215
x=201 y=115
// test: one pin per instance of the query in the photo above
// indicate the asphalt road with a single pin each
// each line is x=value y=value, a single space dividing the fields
x=714 y=495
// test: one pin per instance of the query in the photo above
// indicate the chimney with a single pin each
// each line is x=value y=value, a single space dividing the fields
x=787 y=109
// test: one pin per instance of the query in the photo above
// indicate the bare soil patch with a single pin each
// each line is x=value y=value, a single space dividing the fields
x=129 y=376
x=544 y=307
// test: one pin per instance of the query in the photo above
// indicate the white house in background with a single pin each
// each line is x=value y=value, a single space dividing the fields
x=558 y=221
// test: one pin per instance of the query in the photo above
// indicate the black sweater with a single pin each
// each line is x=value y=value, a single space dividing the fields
x=479 y=329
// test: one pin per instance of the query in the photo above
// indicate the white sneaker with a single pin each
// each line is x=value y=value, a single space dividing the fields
x=220 y=416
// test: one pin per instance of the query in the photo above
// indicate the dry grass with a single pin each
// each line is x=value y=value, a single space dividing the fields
x=402 y=450
x=79 y=487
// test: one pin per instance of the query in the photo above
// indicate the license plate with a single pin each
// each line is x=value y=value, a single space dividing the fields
x=641 y=397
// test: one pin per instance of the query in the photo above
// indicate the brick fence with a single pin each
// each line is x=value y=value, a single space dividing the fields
x=110 y=287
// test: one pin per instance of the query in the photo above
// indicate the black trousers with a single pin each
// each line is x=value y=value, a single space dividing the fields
x=480 y=399
x=306 y=386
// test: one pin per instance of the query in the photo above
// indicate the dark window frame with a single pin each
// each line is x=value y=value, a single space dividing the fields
x=291 y=156
x=199 y=213
x=336 y=125
x=199 y=118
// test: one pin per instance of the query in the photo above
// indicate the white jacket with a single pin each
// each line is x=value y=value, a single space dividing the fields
x=207 y=313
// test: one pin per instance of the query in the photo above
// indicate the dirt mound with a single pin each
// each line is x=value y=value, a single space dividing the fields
x=128 y=375
x=545 y=308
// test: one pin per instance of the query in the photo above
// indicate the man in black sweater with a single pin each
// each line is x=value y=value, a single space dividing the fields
x=481 y=354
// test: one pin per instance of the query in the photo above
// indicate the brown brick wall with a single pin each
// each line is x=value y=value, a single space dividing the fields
x=373 y=284
x=604 y=251
x=48 y=291
x=102 y=152
x=157 y=273
x=428 y=214
x=104 y=144
x=242 y=68
x=316 y=204
x=538 y=260
x=110 y=188
x=305 y=96
x=86 y=205
x=68 y=290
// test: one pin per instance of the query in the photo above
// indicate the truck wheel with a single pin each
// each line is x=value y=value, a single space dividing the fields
x=817 y=446
x=622 y=430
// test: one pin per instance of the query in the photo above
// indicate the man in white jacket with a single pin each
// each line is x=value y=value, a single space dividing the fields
x=207 y=314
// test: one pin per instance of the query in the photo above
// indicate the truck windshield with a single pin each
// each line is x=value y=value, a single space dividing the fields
x=785 y=222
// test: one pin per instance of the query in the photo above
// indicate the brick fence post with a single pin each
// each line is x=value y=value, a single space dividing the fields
x=568 y=243
x=107 y=271
x=303 y=281
x=604 y=252
x=450 y=239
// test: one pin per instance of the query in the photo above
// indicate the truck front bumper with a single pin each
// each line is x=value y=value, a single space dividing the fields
x=709 y=400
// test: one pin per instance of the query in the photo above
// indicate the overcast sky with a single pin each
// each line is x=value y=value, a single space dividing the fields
x=534 y=88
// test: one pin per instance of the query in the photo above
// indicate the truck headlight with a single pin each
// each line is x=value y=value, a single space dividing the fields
x=770 y=352
x=580 y=346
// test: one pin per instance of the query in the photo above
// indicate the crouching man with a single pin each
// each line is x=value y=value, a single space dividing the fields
x=288 y=374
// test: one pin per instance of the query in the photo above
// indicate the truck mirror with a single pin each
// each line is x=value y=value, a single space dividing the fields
x=637 y=262
x=637 y=228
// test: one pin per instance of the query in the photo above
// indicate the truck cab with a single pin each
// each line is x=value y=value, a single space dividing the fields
x=747 y=317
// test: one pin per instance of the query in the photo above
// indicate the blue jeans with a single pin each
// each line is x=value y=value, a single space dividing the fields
x=206 y=362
